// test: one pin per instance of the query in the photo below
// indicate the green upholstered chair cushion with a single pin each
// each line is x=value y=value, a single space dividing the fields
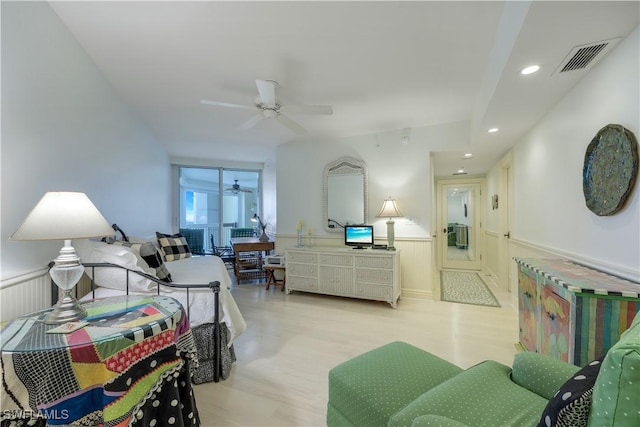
x=483 y=395
x=616 y=395
x=335 y=418
x=436 y=421
x=368 y=389
x=541 y=374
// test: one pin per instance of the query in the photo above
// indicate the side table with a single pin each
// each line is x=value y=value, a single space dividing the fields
x=129 y=364
x=248 y=253
x=271 y=275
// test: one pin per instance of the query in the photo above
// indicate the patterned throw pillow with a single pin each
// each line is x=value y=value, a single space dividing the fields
x=150 y=255
x=570 y=406
x=174 y=246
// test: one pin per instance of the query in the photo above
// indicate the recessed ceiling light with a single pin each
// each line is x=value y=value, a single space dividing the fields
x=530 y=69
x=460 y=171
x=493 y=130
x=467 y=155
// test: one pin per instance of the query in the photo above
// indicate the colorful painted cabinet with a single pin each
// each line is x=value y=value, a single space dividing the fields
x=572 y=312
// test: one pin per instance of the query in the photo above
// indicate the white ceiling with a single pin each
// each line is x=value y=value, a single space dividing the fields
x=383 y=66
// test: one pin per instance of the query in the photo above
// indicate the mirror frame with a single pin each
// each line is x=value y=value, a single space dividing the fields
x=344 y=166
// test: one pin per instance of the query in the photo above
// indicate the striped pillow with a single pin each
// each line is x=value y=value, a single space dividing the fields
x=174 y=246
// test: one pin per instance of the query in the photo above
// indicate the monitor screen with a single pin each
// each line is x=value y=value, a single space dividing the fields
x=358 y=236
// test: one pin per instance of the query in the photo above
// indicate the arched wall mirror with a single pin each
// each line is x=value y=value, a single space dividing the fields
x=346 y=193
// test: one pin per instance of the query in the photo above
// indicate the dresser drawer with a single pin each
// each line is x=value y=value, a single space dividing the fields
x=340 y=260
x=366 y=274
x=377 y=276
x=302 y=257
x=306 y=270
x=374 y=291
x=374 y=261
x=302 y=283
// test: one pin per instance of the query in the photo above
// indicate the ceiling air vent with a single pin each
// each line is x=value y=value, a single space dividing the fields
x=584 y=56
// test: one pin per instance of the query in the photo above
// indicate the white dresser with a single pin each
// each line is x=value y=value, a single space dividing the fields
x=357 y=273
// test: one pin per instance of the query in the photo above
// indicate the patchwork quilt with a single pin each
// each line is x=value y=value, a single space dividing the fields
x=130 y=364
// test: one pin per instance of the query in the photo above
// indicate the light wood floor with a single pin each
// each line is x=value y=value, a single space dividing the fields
x=292 y=341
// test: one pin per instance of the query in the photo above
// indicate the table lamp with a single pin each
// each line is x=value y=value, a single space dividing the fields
x=64 y=216
x=263 y=237
x=389 y=210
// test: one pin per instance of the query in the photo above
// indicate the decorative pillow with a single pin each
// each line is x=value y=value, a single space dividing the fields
x=112 y=277
x=174 y=246
x=149 y=257
x=570 y=406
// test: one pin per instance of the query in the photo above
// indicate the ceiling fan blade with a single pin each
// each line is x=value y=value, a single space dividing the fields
x=326 y=110
x=267 y=90
x=291 y=124
x=226 y=104
x=251 y=122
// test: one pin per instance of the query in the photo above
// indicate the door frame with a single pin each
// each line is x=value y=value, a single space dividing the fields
x=505 y=191
x=478 y=221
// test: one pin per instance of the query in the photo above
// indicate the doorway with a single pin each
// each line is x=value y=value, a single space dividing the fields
x=212 y=201
x=460 y=208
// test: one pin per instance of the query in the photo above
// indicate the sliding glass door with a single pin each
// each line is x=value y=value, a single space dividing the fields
x=212 y=201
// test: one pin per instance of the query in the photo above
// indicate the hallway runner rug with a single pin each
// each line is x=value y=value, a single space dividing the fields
x=466 y=288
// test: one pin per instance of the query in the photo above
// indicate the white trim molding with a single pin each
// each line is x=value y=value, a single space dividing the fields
x=524 y=246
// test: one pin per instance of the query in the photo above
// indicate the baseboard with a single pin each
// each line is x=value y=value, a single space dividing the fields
x=416 y=294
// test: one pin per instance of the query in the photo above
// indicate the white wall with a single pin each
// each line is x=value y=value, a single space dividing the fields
x=64 y=128
x=549 y=210
x=397 y=170
x=402 y=171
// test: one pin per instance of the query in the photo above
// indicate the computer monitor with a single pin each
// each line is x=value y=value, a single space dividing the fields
x=358 y=236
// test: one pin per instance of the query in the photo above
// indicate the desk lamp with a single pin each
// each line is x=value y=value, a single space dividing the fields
x=389 y=210
x=263 y=237
x=64 y=216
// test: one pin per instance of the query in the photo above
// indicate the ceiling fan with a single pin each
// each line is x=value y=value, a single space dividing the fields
x=269 y=107
x=235 y=188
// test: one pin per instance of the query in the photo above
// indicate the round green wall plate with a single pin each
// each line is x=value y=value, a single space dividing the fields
x=610 y=169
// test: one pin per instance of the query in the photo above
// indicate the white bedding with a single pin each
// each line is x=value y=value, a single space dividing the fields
x=196 y=270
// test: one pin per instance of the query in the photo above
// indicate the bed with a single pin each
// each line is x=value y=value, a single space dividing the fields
x=200 y=283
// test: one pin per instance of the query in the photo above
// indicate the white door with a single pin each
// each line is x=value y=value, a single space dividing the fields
x=460 y=245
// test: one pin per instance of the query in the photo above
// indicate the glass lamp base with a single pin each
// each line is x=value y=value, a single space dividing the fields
x=65 y=273
x=67 y=309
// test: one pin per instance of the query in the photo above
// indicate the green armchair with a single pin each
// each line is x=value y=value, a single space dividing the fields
x=401 y=385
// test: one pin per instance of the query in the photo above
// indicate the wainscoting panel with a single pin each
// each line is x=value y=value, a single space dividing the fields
x=25 y=294
x=416 y=260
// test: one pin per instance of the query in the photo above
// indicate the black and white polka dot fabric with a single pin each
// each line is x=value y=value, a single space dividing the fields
x=570 y=406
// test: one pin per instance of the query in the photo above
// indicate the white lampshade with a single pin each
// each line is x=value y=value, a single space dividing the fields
x=389 y=209
x=63 y=216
